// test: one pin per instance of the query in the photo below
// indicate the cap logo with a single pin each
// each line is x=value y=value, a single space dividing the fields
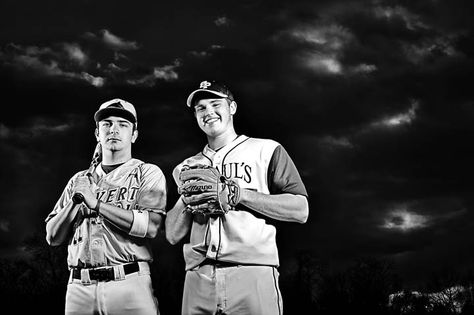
x=116 y=105
x=205 y=84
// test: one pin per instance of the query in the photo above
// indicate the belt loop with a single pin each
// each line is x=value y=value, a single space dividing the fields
x=143 y=268
x=119 y=272
x=85 y=277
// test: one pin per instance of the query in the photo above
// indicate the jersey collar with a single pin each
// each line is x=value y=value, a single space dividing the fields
x=210 y=152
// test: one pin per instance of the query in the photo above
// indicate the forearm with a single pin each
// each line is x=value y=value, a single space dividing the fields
x=117 y=216
x=178 y=222
x=59 y=227
x=283 y=207
x=123 y=219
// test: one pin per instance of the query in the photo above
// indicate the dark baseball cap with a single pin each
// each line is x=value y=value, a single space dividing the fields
x=209 y=87
x=116 y=107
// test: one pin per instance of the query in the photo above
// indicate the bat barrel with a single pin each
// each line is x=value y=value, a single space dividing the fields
x=78 y=197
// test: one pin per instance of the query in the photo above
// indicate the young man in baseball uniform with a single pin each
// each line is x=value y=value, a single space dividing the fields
x=109 y=232
x=232 y=257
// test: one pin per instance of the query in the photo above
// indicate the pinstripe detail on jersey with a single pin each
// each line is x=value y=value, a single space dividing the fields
x=223 y=159
x=95 y=241
x=277 y=290
x=220 y=237
x=242 y=236
x=203 y=154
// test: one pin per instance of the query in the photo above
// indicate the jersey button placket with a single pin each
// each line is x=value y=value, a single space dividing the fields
x=217 y=160
x=214 y=223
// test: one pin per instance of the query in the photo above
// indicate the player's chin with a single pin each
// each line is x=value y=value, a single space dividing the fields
x=211 y=129
x=112 y=146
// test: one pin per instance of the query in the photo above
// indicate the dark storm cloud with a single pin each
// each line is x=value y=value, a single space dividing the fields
x=372 y=99
x=112 y=41
x=105 y=64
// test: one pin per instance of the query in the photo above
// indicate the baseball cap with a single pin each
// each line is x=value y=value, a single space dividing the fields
x=209 y=87
x=116 y=107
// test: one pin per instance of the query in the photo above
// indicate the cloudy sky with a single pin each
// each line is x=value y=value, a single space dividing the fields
x=372 y=99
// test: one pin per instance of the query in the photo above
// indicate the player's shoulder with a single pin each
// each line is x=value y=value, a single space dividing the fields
x=76 y=175
x=263 y=143
x=79 y=173
x=146 y=167
x=263 y=140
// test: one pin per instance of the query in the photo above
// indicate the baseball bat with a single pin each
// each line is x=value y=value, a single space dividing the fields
x=96 y=158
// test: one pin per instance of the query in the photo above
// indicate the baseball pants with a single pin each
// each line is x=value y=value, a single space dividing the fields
x=132 y=295
x=237 y=290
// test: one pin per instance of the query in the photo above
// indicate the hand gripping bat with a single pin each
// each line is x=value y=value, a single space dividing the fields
x=96 y=158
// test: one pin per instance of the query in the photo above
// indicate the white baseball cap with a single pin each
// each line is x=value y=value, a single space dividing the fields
x=116 y=107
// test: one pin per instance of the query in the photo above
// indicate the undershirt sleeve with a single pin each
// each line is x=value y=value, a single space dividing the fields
x=283 y=177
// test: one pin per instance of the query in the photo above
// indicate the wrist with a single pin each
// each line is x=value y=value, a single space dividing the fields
x=97 y=206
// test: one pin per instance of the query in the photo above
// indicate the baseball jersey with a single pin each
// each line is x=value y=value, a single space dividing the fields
x=242 y=236
x=95 y=242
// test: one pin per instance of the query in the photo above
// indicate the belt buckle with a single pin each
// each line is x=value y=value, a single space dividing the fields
x=103 y=274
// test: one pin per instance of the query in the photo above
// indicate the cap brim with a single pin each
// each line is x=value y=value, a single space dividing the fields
x=119 y=112
x=189 y=102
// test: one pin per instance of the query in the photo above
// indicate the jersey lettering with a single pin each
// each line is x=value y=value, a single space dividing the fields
x=232 y=194
x=100 y=194
x=128 y=206
x=134 y=175
x=77 y=234
x=237 y=170
x=133 y=192
x=110 y=195
x=116 y=195
x=122 y=192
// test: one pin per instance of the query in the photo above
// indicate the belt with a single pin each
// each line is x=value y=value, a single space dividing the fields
x=105 y=273
x=218 y=263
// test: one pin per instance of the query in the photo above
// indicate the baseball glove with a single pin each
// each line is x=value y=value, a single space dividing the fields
x=206 y=191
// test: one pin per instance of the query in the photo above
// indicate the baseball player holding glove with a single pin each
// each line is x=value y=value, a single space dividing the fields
x=108 y=215
x=230 y=193
x=206 y=191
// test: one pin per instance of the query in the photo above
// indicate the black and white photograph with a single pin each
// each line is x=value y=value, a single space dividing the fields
x=237 y=157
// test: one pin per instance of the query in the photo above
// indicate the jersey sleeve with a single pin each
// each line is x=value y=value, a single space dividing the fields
x=283 y=177
x=153 y=189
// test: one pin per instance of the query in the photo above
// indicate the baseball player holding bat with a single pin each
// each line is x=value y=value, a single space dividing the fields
x=231 y=193
x=107 y=215
x=96 y=158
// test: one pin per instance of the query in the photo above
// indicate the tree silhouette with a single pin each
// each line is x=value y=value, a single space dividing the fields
x=37 y=281
x=370 y=283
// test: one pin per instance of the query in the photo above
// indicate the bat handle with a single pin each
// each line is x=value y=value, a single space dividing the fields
x=77 y=198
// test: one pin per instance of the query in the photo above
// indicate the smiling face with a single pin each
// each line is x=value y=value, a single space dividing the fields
x=116 y=134
x=215 y=115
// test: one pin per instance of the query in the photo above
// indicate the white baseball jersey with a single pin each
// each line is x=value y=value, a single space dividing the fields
x=242 y=236
x=95 y=241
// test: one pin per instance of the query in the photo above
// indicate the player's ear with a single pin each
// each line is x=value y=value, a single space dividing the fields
x=134 y=136
x=96 y=133
x=233 y=107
